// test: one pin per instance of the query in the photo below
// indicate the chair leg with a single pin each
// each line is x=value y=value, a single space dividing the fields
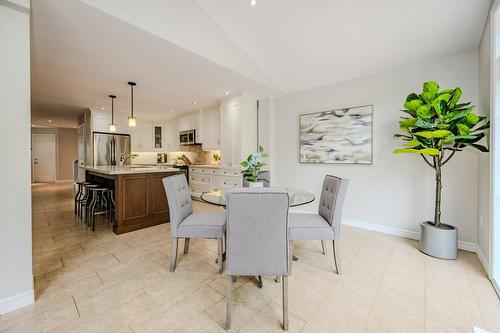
x=220 y=244
x=284 y=289
x=229 y=301
x=173 y=257
x=186 y=245
x=336 y=256
x=323 y=247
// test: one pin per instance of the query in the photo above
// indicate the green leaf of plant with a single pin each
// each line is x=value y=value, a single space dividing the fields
x=411 y=97
x=478 y=147
x=455 y=97
x=423 y=123
x=413 y=143
x=407 y=122
x=445 y=91
x=402 y=136
x=431 y=87
x=454 y=115
x=472 y=118
x=463 y=129
x=437 y=134
x=483 y=127
x=413 y=105
x=443 y=97
x=425 y=134
x=244 y=164
x=425 y=111
x=439 y=106
x=425 y=151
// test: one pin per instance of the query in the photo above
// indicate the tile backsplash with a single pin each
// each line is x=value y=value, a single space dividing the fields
x=195 y=154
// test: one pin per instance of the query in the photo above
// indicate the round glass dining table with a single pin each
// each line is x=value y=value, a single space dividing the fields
x=296 y=197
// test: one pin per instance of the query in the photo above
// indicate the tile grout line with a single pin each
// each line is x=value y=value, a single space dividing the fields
x=99 y=278
x=76 y=306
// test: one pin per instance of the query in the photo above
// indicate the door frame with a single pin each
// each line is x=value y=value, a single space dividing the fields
x=493 y=269
x=54 y=171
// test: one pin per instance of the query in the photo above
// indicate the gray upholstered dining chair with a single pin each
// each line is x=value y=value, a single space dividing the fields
x=325 y=225
x=186 y=224
x=257 y=238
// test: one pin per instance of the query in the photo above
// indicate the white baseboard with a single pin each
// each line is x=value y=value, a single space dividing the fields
x=483 y=260
x=17 y=301
x=462 y=245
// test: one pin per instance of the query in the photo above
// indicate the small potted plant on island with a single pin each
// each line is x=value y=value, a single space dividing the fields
x=438 y=126
x=252 y=166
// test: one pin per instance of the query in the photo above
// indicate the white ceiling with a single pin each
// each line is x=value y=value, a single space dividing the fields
x=305 y=44
x=180 y=51
x=80 y=55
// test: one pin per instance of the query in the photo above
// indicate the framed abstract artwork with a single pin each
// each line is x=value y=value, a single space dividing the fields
x=337 y=136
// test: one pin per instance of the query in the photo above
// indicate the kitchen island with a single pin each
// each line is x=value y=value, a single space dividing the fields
x=140 y=199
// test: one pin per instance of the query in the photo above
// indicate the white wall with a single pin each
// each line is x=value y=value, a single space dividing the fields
x=397 y=190
x=484 y=179
x=16 y=279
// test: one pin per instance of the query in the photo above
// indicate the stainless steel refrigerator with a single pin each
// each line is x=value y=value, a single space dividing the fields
x=108 y=148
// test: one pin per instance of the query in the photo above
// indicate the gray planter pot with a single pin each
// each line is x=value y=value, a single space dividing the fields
x=439 y=242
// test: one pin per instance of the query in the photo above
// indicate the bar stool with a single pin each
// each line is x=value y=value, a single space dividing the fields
x=79 y=196
x=100 y=203
x=86 y=199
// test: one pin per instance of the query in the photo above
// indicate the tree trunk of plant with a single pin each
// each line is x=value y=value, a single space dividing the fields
x=437 y=207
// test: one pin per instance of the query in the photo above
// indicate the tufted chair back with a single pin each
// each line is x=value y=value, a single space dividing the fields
x=179 y=200
x=332 y=200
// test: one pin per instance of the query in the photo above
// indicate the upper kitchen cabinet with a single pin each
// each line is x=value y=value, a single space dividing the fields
x=171 y=136
x=102 y=118
x=238 y=128
x=210 y=133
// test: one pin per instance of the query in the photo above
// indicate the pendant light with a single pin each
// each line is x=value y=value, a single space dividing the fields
x=132 y=121
x=112 y=126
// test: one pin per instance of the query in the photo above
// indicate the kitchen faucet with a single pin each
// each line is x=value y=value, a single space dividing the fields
x=124 y=158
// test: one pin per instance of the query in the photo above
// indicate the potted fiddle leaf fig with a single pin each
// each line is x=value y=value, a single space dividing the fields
x=437 y=126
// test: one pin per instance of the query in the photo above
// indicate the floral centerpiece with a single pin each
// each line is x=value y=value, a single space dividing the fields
x=252 y=166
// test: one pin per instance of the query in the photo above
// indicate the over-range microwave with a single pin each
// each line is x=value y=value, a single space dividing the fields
x=187 y=138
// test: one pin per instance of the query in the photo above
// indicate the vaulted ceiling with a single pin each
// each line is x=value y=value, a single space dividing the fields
x=181 y=51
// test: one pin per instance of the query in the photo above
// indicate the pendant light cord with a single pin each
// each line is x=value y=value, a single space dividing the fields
x=112 y=110
x=132 y=100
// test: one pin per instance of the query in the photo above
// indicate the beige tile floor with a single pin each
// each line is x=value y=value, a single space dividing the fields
x=99 y=282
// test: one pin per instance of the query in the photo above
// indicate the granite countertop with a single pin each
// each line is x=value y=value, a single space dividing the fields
x=116 y=170
x=213 y=166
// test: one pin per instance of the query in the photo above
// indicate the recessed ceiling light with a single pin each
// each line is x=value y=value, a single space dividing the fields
x=50 y=120
x=194 y=103
x=102 y=108
x=226 y=93
x=171 y=111
x=253 y=3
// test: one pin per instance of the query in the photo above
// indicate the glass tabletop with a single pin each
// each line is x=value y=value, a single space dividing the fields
x=297 y=197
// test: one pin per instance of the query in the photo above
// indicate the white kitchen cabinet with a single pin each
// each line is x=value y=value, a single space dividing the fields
x=171 y=136
x=100 y=121
x=189 y=122
x=210 y=134
x=203 y=179
x=230 y=132
x=238 y=129
x=102 y=118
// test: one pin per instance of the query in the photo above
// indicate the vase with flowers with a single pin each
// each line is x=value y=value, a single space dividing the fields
x=252 y=167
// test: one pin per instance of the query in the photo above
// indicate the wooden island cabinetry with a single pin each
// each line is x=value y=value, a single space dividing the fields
x=140 y=199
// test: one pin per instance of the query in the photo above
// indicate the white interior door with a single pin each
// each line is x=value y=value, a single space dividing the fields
x=44 y=158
